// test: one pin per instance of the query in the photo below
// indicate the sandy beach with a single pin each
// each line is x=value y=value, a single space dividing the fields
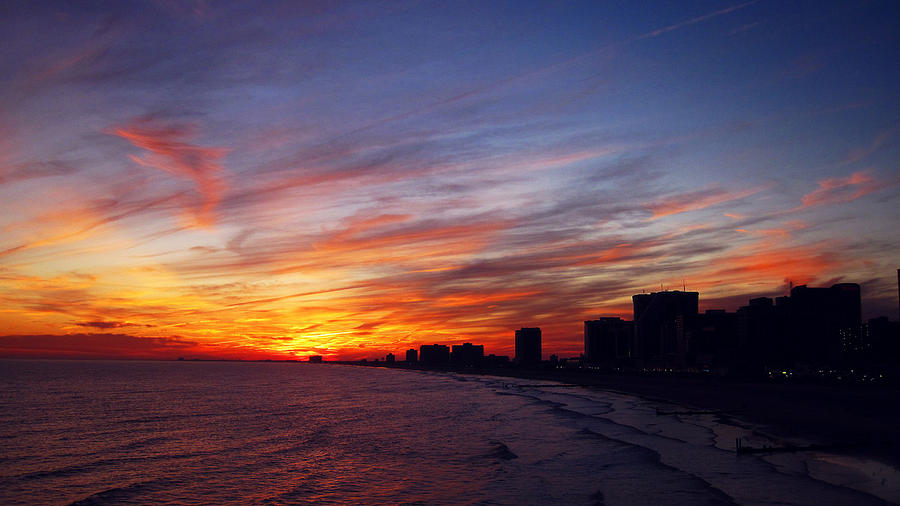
x=853 y=419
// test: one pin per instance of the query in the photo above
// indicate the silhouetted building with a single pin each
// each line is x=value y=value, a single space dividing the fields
x=782 y=302
x=467 y=354
x=434 y=354
x=847 y=316
x=825 y=323
x=496 y=361
x=714 y=345
x=761 y=343
x=663 y=323
x=528 y=346
x=608 y=340
x=389 y=358
x=571 y=362
x=881 y=342
x=412 y=355
x=315 y=359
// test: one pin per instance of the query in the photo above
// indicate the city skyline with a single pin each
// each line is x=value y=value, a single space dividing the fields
x=222 y=180
x=811 y=325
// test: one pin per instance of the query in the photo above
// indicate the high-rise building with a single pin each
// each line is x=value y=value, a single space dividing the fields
x=467 y=354
x=761 y=342
x=412 y=355
x=608 y=340
x=663 y=323
x=824 y=323
x=714 y=341
x=881 y=342
x=528 y=346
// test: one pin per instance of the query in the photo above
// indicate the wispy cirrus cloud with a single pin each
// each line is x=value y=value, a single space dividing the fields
x=169 y=148
x=694 y=21
x=58 y=226
x=879 y=141
x=839 y=190
x=72 y=60
x=697 y=200
x=35 y=170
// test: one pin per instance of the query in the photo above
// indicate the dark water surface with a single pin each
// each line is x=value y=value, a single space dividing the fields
x=284 y=433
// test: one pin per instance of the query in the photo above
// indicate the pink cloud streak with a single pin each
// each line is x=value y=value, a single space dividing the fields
x=170 y=151
x=838 y=190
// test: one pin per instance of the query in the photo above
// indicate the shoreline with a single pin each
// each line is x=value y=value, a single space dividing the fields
x=862 y=421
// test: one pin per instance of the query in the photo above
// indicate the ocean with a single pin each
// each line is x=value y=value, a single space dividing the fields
x=131 y=432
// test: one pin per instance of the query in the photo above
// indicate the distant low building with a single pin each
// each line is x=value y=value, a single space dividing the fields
x=571 y=362
x=389 y=358
x=434 y=354
x=467 y=354
x=315 y=359
x=496 y=361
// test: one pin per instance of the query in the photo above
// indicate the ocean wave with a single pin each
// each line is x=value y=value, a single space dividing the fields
x=500 y=451
x=130 y=492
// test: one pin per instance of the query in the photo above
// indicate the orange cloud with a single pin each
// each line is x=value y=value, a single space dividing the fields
x=388 y=238
x=755 y=265
x=73 y=224
x=620 y=253
x=779 y=233
x=697 y=200
x=838 y=190
x=481 y=298
x=170 y=151
x=771 y=232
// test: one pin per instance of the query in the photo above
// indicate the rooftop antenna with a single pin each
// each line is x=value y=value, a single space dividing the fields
x=683 y=285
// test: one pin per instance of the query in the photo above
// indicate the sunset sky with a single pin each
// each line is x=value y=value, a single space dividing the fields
x=233 y=180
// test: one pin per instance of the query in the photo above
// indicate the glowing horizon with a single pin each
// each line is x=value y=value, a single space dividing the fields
x=220 y=180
